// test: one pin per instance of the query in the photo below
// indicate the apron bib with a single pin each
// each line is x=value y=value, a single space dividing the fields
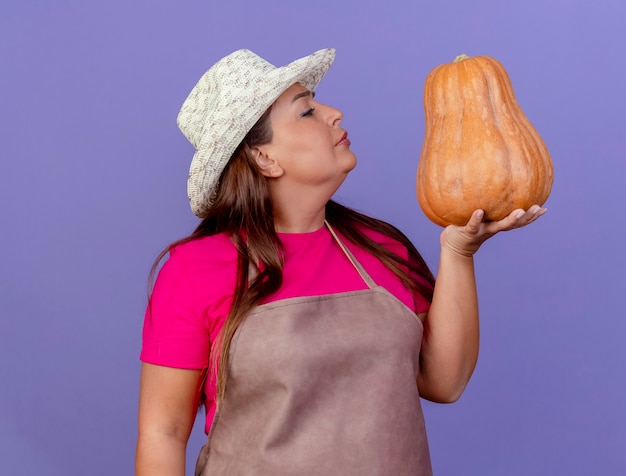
x=322 y=385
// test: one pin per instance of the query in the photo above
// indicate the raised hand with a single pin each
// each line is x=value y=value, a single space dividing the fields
x=465 y=240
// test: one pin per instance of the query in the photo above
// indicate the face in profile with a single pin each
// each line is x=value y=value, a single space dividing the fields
x=309 y=146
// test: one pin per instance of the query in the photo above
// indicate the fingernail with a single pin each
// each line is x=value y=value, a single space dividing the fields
x=520 y=214
x=480 y=214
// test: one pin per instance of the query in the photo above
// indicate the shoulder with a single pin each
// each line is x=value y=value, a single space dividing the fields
x=388 y=242
x=202 y=260
x=212 y=248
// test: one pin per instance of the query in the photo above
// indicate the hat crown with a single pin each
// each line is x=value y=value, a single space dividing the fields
x=241 y=73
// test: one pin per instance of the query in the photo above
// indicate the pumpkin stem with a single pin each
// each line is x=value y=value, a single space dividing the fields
x=460 y=58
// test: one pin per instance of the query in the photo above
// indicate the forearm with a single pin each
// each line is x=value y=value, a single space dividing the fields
x=159 y=454
x=451 y=330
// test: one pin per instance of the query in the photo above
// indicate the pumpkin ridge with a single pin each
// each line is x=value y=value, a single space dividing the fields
x=439 y=124
x=497 y=98
x=478 y=154
x=506 y=166
x=424 y=167
x=454 y=178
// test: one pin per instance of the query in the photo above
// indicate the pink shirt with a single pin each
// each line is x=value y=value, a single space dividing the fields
x=194 y=289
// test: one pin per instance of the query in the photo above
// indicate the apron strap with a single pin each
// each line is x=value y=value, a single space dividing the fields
x=358 y=266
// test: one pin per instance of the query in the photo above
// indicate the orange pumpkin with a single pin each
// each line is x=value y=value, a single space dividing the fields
x=480 y=150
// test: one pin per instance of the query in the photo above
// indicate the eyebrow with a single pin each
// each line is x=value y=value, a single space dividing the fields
x=303 y=95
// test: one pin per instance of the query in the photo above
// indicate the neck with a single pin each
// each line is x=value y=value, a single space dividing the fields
x=303 y=212
x=300 y=208
x=292 y=221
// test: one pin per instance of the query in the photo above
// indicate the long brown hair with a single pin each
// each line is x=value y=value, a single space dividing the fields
x=243 y=209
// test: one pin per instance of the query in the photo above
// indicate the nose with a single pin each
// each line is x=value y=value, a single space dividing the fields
x=338 y=118
x=334 y=116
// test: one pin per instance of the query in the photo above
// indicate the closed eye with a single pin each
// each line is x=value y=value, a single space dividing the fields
x=308 y=112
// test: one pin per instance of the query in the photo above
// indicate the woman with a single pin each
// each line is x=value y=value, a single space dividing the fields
x=320 y=327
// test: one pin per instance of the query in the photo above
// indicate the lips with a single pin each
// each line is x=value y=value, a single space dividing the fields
x=344 y=140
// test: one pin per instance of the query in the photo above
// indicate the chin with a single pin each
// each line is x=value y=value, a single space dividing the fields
x=350 y=166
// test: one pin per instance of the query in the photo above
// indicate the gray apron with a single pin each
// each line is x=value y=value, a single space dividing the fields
x=322 y=385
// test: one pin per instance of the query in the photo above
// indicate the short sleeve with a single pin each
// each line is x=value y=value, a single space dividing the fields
x=174 y=332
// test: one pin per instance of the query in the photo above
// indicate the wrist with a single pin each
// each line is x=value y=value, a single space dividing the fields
x=457 y=252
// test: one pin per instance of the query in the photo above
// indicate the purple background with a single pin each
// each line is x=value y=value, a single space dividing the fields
x=92 y=186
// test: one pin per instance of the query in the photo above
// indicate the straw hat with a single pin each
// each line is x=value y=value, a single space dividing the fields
x=226 y=103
